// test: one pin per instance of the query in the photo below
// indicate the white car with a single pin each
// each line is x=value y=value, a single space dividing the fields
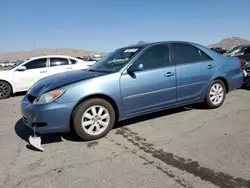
x=22 y=76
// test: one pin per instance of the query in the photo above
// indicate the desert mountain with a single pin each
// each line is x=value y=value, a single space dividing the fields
x=225 y=43
x=22 y=55
x=230 y=42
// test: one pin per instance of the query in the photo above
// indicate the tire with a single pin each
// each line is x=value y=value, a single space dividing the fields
x=221 y=95
x=84 y=112
x=5 y=90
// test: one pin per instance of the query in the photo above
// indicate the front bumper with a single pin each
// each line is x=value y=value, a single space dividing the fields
x=48 y=118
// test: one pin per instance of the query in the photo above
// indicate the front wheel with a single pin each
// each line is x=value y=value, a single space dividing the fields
x=93 y=119
x=216 y=94
x=5 y=90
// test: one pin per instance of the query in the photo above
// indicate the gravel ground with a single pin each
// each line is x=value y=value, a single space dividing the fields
x=184 y=147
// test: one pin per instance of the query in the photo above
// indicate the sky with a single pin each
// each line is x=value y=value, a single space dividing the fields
x=104 y=25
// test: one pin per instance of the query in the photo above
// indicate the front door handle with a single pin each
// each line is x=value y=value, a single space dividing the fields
x=69 y=67
x=43 y=71
x=168 y=74
x=210 y=66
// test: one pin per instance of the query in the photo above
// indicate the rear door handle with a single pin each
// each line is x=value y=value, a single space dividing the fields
x=210 y=66
x=69 y=67
x=168 y=74
x=43 y=71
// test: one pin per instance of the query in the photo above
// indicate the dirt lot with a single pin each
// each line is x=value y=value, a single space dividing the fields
x=183 y=147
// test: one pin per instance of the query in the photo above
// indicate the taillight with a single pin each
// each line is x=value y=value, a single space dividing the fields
x=240 y=64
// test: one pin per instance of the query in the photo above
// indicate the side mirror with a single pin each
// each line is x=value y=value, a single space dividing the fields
x=21 y=68
x=135 y=68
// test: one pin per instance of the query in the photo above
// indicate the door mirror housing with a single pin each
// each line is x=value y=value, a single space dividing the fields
x=21 y=68
x=135 y=68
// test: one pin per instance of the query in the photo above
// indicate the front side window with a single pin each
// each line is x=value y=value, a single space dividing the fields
x=114 y=61
x=36 y=64
x=154 y=57
x=58 y=62
x=186 y=53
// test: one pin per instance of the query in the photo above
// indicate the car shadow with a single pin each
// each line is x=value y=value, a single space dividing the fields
x=24 y=132
x=18 y=94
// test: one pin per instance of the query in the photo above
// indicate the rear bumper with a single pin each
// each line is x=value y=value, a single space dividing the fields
x=48 y=118
x=236 y=81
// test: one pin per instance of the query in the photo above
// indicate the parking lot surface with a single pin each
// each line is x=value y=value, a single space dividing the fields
x=184 y=147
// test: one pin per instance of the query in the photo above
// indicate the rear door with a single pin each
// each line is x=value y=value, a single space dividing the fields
x=194 y=69
x=59 y=65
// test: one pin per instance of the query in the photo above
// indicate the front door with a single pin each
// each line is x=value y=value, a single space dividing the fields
x=154 y=86
x=35 y=70
x=194 y=69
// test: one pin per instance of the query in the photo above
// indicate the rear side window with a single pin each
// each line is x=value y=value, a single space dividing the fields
x=186 y=53
x=73 y=61
x=58 y=61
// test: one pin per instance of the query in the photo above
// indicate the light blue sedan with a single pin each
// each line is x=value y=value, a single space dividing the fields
x=129 y=82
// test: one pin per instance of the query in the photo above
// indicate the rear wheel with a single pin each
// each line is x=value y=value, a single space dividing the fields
x=5 y=90
x=93 y=119
x=216 y=94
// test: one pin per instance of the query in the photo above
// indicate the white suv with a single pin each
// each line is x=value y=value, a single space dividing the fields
x=22 y=76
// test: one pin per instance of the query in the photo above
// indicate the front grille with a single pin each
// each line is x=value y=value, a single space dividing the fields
x=31 y=98
x=25 y=120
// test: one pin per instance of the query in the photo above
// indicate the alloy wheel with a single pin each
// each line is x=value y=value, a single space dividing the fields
x=95 y=120
x=216 y=94
x=4 y=91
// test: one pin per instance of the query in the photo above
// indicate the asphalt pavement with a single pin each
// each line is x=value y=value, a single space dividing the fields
x=183 y=147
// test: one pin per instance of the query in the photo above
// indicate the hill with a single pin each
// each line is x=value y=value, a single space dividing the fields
x=22 y=55
x=230 y=42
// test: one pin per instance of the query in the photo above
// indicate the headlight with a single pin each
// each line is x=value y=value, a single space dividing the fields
x=49 y=96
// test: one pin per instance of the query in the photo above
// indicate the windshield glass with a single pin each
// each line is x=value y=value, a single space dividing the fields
x=237 y=51
x=232 y=50
x=14 y=66
x=115 y=60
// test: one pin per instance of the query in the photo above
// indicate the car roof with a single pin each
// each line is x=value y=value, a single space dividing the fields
x=154 y=43
x=48 y=56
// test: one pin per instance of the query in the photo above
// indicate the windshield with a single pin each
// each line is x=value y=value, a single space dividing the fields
x=115 y=60
x=232 y=50
x=14 y=66
x=236 y=51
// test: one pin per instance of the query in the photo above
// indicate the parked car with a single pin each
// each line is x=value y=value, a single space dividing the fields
x=6 y=64
x=90 y=61
x=219 y=50
x=23 y=75
x=243 y=53
x=154 y=76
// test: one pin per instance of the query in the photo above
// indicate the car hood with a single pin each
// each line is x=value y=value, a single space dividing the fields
x=59 y=80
